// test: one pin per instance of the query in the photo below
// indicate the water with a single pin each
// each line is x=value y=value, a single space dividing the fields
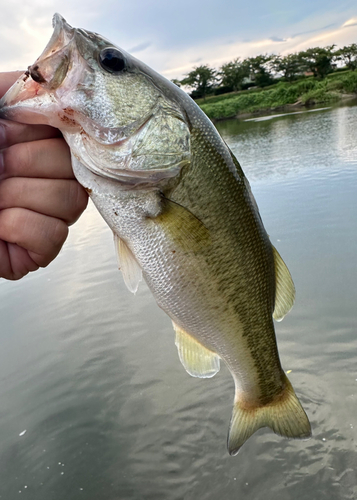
x=91 y=372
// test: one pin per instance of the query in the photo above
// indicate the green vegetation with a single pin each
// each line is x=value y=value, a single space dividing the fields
x=305 y=92
x=201 y=79
x=233 y=73
x=319 y=61
x=348 y=56
x=269 y=82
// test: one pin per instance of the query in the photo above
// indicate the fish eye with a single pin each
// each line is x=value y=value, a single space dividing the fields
x=112 y=60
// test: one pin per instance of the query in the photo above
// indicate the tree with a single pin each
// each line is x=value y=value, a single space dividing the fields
x=318 y=60
x=201 y=79
x=176 y=82
x=289 y=65
x=348 y=55
x=260 y=69
x=233 y=73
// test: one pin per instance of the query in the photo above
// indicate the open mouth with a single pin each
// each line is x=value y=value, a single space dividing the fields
x=30 y=92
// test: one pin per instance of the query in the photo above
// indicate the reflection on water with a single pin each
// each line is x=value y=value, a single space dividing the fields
x=280 y=115
x=293 y=144
x=92 y=374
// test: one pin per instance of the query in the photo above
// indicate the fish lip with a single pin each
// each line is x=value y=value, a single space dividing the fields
x=60 y=26
x=30 y=83
x=18 y=95
x=44 y=76
x=59 y=21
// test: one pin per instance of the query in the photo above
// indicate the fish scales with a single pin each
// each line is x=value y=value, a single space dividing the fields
x=246 y=267
x=182 y=214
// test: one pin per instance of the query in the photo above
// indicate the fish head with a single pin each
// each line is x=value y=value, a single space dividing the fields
x=121 y=119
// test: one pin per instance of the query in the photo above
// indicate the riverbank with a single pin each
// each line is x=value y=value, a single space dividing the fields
x=282 y=96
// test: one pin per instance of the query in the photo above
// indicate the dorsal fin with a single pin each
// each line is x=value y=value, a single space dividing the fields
x=197 y=360
x=284 y=288
x=128 y=265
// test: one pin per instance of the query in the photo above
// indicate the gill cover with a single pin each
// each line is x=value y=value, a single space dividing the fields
x=115 y=117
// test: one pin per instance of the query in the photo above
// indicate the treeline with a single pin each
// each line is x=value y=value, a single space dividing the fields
x=264 y=70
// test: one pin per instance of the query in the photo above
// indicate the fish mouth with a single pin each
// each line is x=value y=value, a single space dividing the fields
x=32 y=97
x=51 y=67
x=35 y=97
x=39 y=96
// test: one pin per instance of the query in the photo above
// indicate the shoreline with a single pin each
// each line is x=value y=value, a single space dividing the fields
x=286 y=108
x=282 y=97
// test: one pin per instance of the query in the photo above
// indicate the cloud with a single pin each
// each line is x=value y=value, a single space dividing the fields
x=317 y=30
x=140 y=47
x=218 y=52
x=339 y=36
x=180 y=37
x=350 y=22
x=277 y=39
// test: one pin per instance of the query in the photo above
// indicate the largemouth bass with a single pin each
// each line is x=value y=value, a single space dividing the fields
x=182 y=214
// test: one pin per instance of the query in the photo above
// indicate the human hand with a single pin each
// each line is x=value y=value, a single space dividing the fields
x=39 y=196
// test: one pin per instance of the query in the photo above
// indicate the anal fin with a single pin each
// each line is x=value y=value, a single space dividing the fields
x=128 y=265
x=197 y=360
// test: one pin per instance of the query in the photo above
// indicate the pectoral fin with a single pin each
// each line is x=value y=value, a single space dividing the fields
x=128 y=265
x=284 y=288
x=197 y=360
x=182 y=226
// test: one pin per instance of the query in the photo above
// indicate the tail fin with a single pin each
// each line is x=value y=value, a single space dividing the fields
x=285 y=416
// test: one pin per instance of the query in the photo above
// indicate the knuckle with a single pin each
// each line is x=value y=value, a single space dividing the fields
x=12 y=224
x=78 y=200
x=17 y=158
x=53 y=237
x=13 y=192
x=10 y=220
x=58 y=234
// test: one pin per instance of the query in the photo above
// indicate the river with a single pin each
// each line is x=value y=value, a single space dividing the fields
x=95 y=404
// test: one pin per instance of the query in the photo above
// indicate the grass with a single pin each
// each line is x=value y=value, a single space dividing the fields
x=305 y=92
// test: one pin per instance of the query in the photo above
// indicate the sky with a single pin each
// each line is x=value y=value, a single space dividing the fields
x=174 y=37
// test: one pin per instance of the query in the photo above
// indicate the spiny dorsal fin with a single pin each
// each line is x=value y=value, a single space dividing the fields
x=197 y=360
x=284 y=288
x=128 y=265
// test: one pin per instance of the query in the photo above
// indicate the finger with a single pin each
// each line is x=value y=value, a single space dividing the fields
x=7 y=79
x=13 y=133
x=40 y=235
x=15 y=262
x=63 y=199
x=49 y=158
